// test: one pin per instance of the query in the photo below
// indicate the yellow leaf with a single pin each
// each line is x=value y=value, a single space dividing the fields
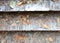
x=45 y=26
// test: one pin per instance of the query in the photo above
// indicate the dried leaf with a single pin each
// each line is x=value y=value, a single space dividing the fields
x=19 y=3
x=49 y=39
x=17 y=37
x=45 y=26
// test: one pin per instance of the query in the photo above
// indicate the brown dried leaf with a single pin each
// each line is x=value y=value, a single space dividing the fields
x=17 y=37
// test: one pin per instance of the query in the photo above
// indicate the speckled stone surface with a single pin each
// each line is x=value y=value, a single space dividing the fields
x=30 y=21
x=29 y=5
x=29 y=37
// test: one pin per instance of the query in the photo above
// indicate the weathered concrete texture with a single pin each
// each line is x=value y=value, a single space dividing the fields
x=29 y=5
x=54 y=5
x=29 y=37
x=30 y=21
